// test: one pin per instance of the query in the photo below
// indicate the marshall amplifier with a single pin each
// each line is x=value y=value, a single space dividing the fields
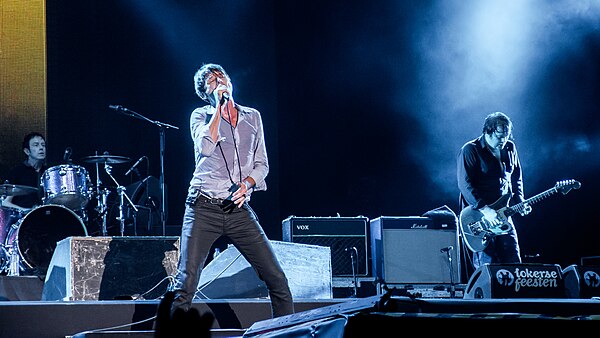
x=348 y=238
x=519 y=280
x=414 y=250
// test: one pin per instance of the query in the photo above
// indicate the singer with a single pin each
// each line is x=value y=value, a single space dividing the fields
x=28 y=173
x=231 y=163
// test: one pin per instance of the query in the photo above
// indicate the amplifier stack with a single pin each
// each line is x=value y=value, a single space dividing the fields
x=385 y=251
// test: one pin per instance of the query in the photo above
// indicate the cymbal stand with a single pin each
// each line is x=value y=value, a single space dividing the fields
x=122 y=196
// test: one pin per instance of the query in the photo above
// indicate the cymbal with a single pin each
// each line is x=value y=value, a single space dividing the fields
x=16 y=190
x=110 y=159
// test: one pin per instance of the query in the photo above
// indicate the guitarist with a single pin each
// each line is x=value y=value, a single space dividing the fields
x=488 y=168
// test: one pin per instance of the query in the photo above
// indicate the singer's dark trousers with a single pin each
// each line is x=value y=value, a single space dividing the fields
x=203 y=224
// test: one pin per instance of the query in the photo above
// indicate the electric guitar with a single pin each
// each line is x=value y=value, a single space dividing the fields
x=477 y=231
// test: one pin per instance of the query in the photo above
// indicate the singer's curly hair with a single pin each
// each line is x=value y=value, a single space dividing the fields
x=202 y=74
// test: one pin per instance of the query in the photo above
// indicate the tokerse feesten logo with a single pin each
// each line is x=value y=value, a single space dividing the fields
x=591 y=279
x=527 y=278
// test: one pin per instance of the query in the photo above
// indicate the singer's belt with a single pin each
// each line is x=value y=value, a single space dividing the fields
x=205 y=199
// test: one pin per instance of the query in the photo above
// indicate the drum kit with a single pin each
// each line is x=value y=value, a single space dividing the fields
x=28 y=239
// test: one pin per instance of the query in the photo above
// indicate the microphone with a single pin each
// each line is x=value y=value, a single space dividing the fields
x=67 y=155
x=447 y=249
x=119 y=108
x=224 y=97
x=135 y=165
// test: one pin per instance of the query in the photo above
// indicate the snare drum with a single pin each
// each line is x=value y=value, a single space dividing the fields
x=66 y=185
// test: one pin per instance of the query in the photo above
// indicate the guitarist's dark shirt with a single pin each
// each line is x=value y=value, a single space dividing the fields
x=483 y=179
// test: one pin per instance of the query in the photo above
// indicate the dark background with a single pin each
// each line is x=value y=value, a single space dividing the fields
x=365 y=105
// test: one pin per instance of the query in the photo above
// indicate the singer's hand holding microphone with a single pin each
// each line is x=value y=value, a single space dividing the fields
x=221 y=94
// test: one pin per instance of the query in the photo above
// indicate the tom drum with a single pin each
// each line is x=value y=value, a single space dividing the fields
x=66 y=185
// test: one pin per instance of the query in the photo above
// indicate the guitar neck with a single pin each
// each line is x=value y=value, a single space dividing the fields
x=532 y=200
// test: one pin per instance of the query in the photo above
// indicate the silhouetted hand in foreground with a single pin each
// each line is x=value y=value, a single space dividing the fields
x=182 y=323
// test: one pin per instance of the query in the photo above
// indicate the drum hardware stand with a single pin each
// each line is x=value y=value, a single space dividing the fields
x=122 y=196
x=162 y=126
x=15 y=260
x=103 y=208
x=101 y=197
x=6 y=257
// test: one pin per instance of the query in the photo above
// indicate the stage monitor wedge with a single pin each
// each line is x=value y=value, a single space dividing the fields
x=582 y=281
x=519 y=280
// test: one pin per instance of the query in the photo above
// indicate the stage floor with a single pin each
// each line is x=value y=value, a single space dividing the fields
x=341 y=317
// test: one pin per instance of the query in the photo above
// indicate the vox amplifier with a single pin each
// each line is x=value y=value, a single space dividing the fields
x=348 y=238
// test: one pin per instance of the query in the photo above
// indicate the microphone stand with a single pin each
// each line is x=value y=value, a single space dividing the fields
x=122 y=196
x=452 y=286
x=162 y=126
x=354 y=253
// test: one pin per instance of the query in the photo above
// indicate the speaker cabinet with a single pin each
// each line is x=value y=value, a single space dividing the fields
x=582 y=281
x=348 y=238
x=414 y=250
x=307 y=268
x=516 y=281
x=106 y=268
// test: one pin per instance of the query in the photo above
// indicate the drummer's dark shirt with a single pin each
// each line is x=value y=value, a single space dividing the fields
x=24 y=174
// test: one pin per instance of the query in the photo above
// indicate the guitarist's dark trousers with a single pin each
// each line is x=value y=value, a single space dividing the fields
x=501 y=249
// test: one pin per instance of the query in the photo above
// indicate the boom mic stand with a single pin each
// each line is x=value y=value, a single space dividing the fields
x=162 y=126
x=122 y=196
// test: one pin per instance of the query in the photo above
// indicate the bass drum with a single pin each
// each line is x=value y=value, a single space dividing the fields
x=37 y=234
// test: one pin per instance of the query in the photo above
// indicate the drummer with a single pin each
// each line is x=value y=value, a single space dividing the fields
x=28 y=173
